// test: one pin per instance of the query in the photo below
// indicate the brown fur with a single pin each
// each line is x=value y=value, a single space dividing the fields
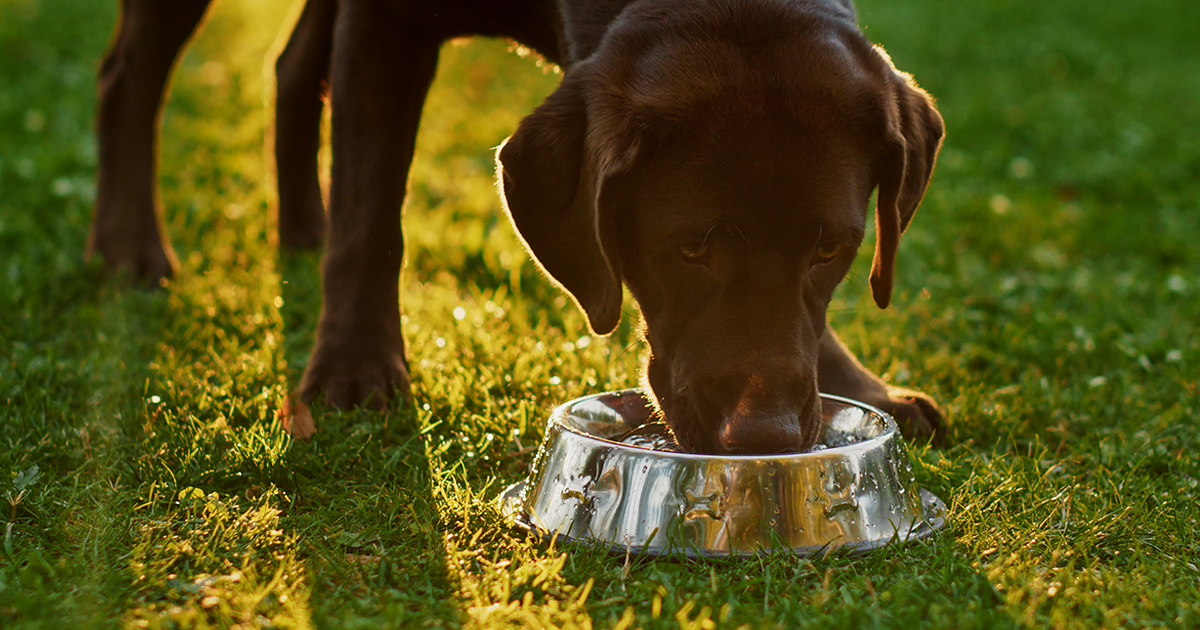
x=750 y=131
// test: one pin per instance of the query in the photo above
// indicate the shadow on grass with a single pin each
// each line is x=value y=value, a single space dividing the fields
x=364 y=507
x=75 y=373
x=300 y=291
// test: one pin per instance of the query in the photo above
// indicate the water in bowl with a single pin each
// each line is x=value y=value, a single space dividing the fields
x=834 y=439
x=656 y=436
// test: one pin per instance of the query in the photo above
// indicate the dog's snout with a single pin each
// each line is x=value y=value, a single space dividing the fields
x=766 y=418
x=772 y=409
x=762 y=435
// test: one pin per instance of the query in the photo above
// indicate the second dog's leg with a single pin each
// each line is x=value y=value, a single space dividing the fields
x=383 y=63
x=300 y=71
x=125 y=229
x=840 y=374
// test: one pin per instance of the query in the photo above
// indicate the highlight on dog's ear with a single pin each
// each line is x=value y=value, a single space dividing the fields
x=551 y=181
x=914 y=135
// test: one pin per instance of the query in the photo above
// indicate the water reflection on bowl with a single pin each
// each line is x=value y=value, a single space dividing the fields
x=857 y=493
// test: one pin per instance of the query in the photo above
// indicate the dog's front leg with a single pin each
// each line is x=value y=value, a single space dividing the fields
x=125 y=229
x=300 y=72
x=840 y=374
x=383 y=62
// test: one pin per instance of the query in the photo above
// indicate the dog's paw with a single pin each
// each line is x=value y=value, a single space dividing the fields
x=916 y=414
x=348 y=379
x=149 y=263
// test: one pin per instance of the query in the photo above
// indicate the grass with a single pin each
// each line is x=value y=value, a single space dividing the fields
x=1047 y=294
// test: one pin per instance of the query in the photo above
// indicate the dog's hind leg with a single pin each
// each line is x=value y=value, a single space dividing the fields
x=125 y=229
x=301 y=71
x=384 y=57
x=840 y=374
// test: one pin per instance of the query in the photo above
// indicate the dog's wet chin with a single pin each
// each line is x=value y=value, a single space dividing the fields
x=708 y=431
x=695 y=431
x=707 y=417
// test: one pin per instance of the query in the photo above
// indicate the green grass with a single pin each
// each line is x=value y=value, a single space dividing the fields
x=1047 y=294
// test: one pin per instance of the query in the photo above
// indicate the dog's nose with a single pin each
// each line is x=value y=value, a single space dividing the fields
x=746 y=434
x=772 y=413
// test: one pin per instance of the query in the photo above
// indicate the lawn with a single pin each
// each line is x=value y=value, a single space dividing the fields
x=1047 y=294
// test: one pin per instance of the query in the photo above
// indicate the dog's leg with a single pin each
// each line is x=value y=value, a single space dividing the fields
x=300 y=72
x=125 y=228
x=383 y=63
x=840 y=374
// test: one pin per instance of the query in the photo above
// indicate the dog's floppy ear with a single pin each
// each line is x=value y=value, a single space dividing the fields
x=913 y=137
x=552 y=175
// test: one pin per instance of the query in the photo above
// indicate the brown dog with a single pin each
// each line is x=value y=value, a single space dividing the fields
x=715 y=156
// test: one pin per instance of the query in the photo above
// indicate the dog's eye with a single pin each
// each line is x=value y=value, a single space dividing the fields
x=826 y=252
x=693 y=252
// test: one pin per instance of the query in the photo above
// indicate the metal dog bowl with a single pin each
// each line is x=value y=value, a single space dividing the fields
x=585 y=486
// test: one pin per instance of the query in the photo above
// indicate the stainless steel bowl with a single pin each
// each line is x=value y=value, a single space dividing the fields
x=584 y=486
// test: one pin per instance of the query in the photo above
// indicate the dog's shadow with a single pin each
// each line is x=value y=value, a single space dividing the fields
x=360 y=457
x=300 y=289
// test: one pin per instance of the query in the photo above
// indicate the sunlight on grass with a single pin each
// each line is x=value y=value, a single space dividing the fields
x=219 y=562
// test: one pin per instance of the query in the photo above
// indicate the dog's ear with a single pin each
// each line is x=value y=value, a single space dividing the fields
x=552 y=174
x=913 y=137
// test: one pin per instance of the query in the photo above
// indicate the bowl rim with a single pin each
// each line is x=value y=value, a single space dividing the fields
x=890 y=431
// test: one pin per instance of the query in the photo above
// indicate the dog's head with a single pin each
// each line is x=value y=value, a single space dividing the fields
x=720 y=164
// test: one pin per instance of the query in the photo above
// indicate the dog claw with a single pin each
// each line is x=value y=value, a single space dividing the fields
x=296 y=419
